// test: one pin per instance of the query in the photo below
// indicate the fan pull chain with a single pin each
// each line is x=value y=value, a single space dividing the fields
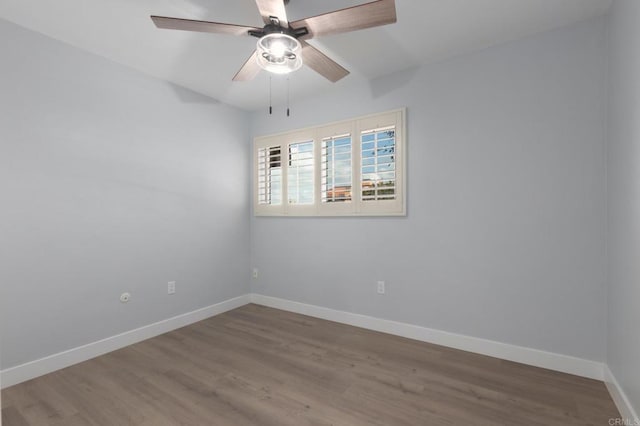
x=288 y=97
x=270 y=103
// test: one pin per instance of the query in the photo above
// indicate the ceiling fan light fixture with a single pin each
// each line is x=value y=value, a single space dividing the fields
x=279 y=53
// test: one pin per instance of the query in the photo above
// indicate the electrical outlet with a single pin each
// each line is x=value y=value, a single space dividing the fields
x=381 y=287
x=171 y=287
x=255 y=273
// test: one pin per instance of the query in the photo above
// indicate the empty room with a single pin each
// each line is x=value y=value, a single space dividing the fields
x=339 y=212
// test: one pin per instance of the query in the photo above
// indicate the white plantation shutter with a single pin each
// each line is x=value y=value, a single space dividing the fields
x=353 y=167
x=378 y=164
x=336 y=166
x=381 y=168
x=300 y=187
x=270 y=175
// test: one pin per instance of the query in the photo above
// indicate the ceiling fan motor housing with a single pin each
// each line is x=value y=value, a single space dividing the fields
x=275 y=27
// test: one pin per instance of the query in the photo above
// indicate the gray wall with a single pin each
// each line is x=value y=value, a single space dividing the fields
x=505 y=235
x=623 y=189
x=110 y=181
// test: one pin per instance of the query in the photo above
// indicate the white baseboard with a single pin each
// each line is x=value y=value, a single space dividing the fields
x=534 y=357
x=627 y=412
x=39 y=367
x=552 y=361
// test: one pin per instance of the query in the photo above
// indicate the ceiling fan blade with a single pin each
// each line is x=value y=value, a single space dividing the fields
x=249 y=70
x=373 y=14
x=201 y=26
x=275 y=8
x=321 y=63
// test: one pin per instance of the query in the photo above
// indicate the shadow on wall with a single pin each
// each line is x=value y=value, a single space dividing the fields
x=389 y=83
x=201 y=60
x=188 y=96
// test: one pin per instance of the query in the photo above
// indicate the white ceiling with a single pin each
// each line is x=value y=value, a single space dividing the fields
x=426 y=31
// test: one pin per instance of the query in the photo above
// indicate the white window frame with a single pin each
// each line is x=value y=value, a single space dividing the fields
x=355 y=207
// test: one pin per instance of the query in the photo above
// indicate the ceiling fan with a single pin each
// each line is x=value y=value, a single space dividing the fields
x=282 y=45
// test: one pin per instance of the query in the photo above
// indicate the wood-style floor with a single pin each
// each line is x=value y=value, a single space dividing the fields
x=261 y=366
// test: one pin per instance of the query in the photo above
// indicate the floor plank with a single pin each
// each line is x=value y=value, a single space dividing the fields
x=261 y=366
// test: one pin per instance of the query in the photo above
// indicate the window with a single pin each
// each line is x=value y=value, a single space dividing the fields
x=348 y=168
